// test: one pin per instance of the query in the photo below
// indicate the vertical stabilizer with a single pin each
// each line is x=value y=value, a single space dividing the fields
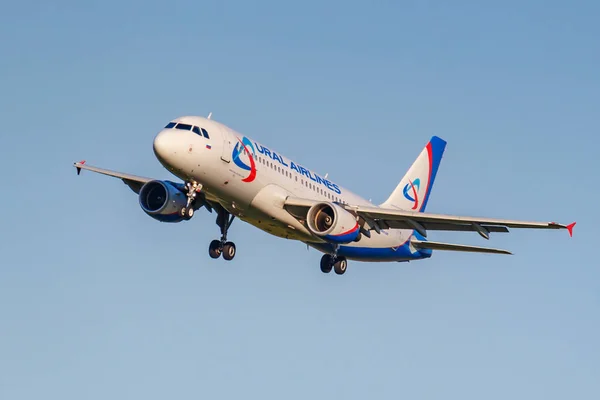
x=413 y=191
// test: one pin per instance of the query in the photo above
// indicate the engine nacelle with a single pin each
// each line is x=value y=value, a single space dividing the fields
x=332 y=223
x=162 y=201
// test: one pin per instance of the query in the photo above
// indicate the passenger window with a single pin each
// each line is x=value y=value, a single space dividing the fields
x=170 y=125
x=205 y=133
x=184 y=127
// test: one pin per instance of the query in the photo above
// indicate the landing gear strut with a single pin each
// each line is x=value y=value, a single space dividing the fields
x=218 y=247
x=332 y=261
x=193 y=188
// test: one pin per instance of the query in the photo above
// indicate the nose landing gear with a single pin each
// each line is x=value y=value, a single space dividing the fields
x=218 y=247
x=194 y=188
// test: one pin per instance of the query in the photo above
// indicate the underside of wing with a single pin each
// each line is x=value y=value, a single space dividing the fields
x=428 y=221
x=377 y=218
x=134 y=182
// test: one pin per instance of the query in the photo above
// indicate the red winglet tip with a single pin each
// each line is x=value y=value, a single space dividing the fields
x=79 y=168
x=570 y=228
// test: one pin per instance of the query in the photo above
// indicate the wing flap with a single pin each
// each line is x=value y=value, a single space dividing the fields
x=388 y=214
x=443 y=226
x=456 y=247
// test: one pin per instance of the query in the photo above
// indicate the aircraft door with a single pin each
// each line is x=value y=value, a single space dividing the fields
x=227 y=145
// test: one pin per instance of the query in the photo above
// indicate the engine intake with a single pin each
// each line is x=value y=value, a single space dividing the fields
x=162 y=201
x=332 y=223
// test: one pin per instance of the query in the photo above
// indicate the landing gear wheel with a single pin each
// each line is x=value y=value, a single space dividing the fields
x=186 y=213
x=229 y=251
x=340 y=265
x=218 y=247
x=190 y=213
x=214 y=250
x=326 y=263
x=193 y=188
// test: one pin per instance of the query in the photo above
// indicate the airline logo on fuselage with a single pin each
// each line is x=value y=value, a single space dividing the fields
x=245 y=146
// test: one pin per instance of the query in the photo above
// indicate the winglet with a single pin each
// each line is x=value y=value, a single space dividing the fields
x=79 y=168
x=570 y=228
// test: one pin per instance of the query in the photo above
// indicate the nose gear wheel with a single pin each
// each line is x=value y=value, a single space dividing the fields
x=193 y=188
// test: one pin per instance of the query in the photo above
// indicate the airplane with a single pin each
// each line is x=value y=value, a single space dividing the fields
x=238 y=177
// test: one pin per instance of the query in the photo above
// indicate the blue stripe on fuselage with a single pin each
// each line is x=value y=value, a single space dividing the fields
x=401 y=253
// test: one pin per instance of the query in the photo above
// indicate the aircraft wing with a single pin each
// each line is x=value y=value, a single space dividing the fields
x=133 y=181
x=376 y=218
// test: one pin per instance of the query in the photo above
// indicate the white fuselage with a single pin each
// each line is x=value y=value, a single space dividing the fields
x=254 y=190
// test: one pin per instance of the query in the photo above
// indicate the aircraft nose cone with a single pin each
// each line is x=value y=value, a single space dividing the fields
x=161 y=145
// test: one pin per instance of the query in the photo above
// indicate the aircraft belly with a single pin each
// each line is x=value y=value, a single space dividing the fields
x=389 y=245
x=275 y=228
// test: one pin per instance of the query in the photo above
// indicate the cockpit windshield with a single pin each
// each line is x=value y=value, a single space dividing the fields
x=184 y=127
x=187 y=127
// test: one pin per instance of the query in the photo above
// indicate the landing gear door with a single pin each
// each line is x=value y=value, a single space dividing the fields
x=227 y=145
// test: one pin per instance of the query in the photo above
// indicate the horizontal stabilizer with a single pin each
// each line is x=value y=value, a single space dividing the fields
x=456 y=247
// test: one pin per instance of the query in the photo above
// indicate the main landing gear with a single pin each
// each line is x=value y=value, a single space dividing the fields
x=332 y=261
x=218 y=247
x=193 y=188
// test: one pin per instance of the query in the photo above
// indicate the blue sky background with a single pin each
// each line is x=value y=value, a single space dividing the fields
x=99 y=301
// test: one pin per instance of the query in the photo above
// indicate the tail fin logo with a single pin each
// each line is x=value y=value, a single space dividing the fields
x=245 y=147
x=411 y=191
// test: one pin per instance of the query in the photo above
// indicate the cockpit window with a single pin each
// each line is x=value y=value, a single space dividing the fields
x=184 y=127
x=188 y=127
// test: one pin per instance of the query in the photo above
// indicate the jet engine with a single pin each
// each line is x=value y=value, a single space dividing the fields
x=162 y=200
x=332 y=223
